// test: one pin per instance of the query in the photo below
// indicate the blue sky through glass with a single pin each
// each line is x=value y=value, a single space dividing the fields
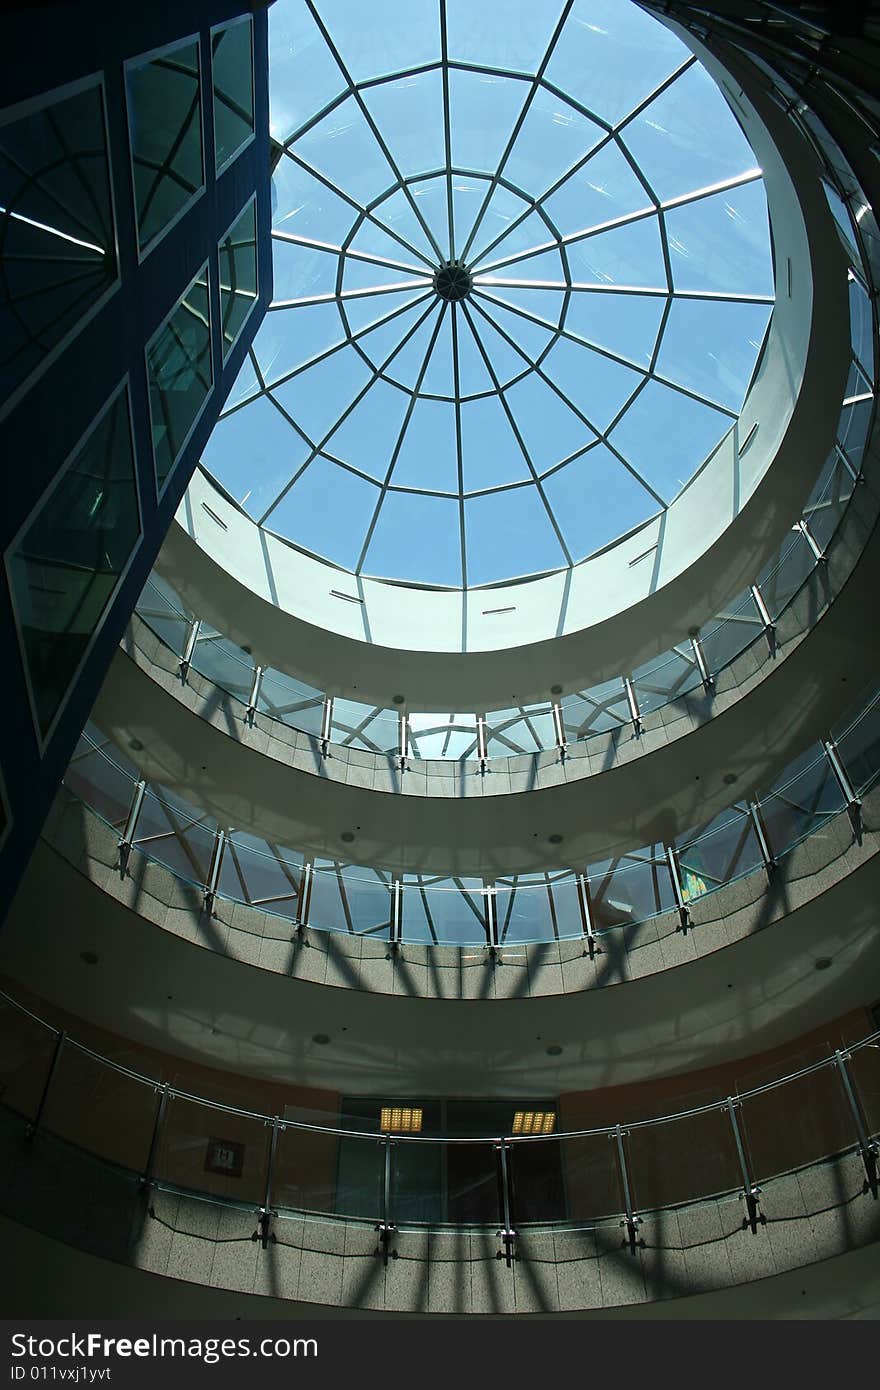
x=607 y=226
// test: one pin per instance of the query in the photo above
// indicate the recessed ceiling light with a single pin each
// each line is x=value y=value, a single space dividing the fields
x=555 y=838
x=556 y=690
x=822 y=963
x=136 y=744
x=346 y=837
x=554 y=1050
x=321 y=1039
x=397 y=699
x=88 y=957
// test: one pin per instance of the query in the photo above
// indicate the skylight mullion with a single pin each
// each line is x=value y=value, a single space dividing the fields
x=328 y=246
x=358 y=207
x=347 y=341
x=625 y=219
x=518 y=437
x=602 y=434
x=593 y=287
x=333 y=297
x=549 y=382
x=326 y=110
x=459 y=455
x=447 y=132
x=603 y=352
x=365 y=112
x=317 y=448
x=414 y=395
x=611 y=133
x=514 y=134
x=566 y=333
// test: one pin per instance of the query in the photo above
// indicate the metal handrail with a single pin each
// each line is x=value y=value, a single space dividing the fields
x=871 y=1040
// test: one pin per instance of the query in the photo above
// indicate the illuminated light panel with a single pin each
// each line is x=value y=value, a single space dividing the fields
x=401 y=1119
x=534 y=1122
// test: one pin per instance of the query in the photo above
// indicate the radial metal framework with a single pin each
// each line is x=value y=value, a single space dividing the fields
x=468 y=375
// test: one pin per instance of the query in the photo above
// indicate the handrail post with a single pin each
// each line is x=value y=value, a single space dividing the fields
x=326 y=723
x=147 y=1180
x=818 y=554
x=403 y=740
x=396 y=923
x=706 y=675
x=254 y=696
x=305 y=898
x=186 y=660
x=385 y=1226
x=492 y=922
x=761 y=836
x=751 y=1191
x=630 y=1222
x=265 y=1213
x=50 y=1075
x=559 y=728
x=633 y=705
x=868 y=1147
x=214 y=871
x=126 y=839
x=764 y=614
x=853 y=800
x=507 y=1229
x=586 y=916
x=684 y=914
x=482 y=743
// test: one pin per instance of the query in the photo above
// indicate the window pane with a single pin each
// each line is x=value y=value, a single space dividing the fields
x=233 y=89
x=56 y=229
x=179 y=366
x=238 y=276
x=66 y=565
x=165 y=127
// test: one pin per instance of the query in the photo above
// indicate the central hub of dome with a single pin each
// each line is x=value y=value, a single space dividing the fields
x=452 y=281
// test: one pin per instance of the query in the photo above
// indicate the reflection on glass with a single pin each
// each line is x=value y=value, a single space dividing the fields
x=223 y=662
x=806 y=795
x=350 y=899
x=233 y=84
x=355 y=725
x=445 y=911
x=101 y=775
x=180 y=374
x=176 y=835
x=165 y=129
x=291 y=702
x=57 y=249
x=238 y=275
x=65 y=566
x=163 y=611
x=261 y=873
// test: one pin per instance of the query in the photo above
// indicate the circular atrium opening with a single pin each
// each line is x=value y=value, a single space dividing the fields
x=522 y=281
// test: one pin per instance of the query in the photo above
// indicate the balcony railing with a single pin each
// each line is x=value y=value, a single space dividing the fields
x=731 y=1146
x=750 y=836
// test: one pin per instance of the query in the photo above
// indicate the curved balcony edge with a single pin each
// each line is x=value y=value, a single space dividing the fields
x=697 y=927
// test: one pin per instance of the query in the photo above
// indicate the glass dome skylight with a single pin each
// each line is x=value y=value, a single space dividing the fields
x=523 y=276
